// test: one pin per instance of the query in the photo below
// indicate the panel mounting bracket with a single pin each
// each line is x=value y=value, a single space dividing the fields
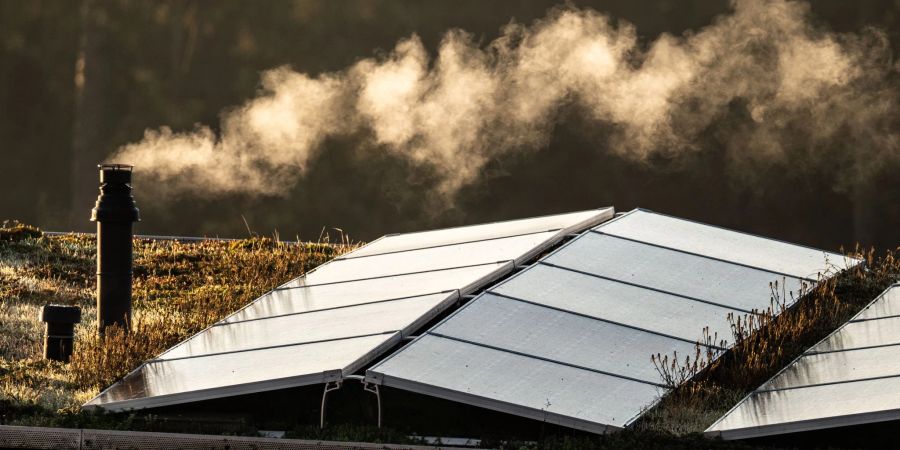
x=329 y=386
x=373 y=388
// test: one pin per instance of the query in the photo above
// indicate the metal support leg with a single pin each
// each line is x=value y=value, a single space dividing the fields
x=373 y=388
x=329 y=386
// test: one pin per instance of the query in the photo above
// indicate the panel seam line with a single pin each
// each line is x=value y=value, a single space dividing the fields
x=347 y=258
x=374 y=302
x=892 y=316
x=831 y=383
x=841 y=350
x=268 y=347
x=824 y=252
x=600 y=319
x=391 y=275
x=700 y=255
x=541 y=358
x=640 y=286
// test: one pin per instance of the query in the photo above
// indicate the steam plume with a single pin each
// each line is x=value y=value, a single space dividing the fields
x=801 y=87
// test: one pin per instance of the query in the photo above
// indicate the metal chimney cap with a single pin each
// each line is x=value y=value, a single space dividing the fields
x=115 y=166
x=115 y=173
x=60 y=314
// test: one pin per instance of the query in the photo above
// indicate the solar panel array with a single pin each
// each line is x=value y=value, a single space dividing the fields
x=337 y=318
x=849 y=378
x=569 y=339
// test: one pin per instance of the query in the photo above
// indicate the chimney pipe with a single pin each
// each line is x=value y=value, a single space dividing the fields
x=115 y=214
x=59 y=333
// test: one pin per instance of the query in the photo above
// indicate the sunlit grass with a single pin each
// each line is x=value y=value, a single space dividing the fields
x=179 y=289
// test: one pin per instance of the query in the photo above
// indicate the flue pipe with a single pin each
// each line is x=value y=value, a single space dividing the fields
x=115 y=214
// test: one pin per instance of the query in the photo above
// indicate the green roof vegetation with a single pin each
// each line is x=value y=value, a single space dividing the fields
x=181 y=288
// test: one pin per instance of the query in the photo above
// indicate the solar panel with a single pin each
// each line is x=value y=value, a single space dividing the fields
x=618 y=302
x=543 y=333
x=581 y=324
x=514 y=383
x=851 y=377
x=296 y=296
x=889 y=306
x=838 y=366
x=672 y=271
x=434 y=258
x=790 y=259
x=866 y=333
x=423 y=239
x=166 y=382
x=395 y=316
x=337 y=318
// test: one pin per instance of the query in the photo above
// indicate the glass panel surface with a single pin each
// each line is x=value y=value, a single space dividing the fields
x=839 y=366
x=509 y=378
x=671 y=271
x=887 y=305
x=812 y=403
x=560 y=336
x=410 y=241
x=863 y=334
x=473 y=253
x=313 y=326
x=184 y=376
x=618 y=302
x=309 y=298
x=724 y=244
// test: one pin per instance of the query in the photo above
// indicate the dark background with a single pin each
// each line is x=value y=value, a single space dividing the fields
x=146 y=64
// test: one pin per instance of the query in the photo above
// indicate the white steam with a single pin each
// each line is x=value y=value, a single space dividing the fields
x=801 y=86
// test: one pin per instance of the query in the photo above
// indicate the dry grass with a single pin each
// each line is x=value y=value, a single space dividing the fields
x=705 y=386
x=179 y=289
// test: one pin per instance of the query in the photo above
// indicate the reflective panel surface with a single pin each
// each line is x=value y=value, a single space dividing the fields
x=834 y=367
x=423 y=239
x=619 y=302
x=671 y=271
x=789 y=259
x=777 y=412
x=888 y=306
x=569 y=338
x=302 y=298
x=435 y=258
x=863 y=334
x=397 y=315
x=542 y=387
x=198 y=374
